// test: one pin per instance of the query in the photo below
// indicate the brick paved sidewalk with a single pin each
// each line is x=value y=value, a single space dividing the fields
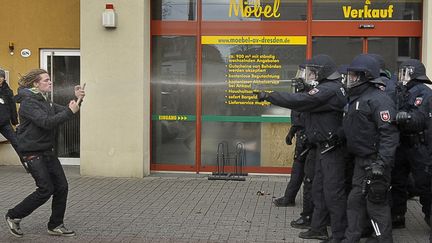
x=170 y=208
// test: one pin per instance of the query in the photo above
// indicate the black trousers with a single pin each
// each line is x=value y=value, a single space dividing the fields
x=329 y=192
x=309 y=173
x=50 y=180
x=416 y=160
x=297 y=172
x=360 y=210
x=296 y=180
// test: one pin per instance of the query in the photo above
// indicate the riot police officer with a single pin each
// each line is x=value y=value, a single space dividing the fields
x=385 y=75
x=372 y=139
x=412 y=96
x=323 y=109
x=304 y=161
x=296 y=130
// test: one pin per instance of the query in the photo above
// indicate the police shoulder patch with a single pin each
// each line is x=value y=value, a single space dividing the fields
x=313 y=91
x=418 y=101
x=385 y=116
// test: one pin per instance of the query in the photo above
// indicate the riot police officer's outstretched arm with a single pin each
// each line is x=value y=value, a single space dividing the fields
x=316 y=100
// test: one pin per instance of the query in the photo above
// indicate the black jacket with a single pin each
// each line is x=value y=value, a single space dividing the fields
x=321 y=107
x=8 y=112
x=368 y=124
x=413 y=98
x=39 y=121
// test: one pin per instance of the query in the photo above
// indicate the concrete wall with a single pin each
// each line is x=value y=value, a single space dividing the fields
x=33 y=25
x=115 y=116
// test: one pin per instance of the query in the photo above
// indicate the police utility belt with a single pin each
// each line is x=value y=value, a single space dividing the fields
x=328 y=145
x=411 y=139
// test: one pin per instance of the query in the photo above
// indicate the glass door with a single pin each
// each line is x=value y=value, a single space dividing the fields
x=64 y=69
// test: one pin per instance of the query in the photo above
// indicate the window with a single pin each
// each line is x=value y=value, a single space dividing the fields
x=173 y=99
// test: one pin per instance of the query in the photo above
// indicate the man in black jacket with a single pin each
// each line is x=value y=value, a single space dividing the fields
x=36 y=136
x=322 y=107
x=372 y=139
x=8 y=113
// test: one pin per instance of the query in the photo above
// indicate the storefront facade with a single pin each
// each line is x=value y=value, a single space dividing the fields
x=209 y=56
x=173 y=81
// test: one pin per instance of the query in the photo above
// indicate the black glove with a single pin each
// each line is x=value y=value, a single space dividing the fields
x=261 y=95
x=402 y=117
x=289 y=137
x=299 y=86
x=376 y=169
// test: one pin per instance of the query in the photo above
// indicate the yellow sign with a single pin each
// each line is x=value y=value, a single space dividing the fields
x=253 y=40
x=172 y=118
x=245 y=9
x=367 y=13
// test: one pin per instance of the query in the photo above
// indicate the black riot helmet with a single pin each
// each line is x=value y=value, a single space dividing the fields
x=383 y=70
x=320 y=67
x=362 y=69
x=412 y=69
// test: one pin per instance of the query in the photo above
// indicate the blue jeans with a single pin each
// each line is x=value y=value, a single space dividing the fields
x=50 y=180
x=8 y=132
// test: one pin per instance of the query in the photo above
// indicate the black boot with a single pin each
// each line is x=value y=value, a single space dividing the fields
x=398 y=221
x=303 y=222
x=317 y=235
x=284 y=202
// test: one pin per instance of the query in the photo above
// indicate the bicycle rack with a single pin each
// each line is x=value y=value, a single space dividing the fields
x=223 y=159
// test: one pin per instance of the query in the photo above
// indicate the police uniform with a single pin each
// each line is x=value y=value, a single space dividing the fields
x=412 y=155
x=323 y=110
x=297 y=171
x=372 y=139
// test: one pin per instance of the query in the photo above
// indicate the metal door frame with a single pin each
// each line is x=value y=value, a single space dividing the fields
x=43 y=63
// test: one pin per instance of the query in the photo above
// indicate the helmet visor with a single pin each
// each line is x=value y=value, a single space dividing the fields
x=301 y=73
x=311 y=76
x=354 y=79
x=404 y=74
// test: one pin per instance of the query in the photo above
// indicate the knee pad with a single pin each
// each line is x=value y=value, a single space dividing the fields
x=377 y=191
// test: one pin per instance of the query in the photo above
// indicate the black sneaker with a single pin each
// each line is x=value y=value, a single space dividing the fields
x=303 y=222
x=284 y=202
x=398 y=222
x=14 y=226
x=61 y=230
x=311 y=234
